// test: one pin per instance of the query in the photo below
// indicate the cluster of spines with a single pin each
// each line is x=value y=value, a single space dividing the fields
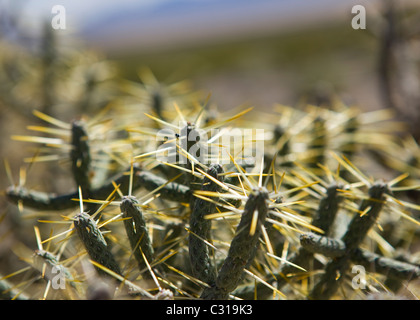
x=219 y=279
x=243 y=247
x=200 y=231
x=357 y=230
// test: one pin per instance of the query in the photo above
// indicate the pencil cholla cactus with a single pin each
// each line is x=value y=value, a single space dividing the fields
x=290 y=224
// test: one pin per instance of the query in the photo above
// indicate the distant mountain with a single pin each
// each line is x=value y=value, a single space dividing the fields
x=156 y=24
x=185 y=22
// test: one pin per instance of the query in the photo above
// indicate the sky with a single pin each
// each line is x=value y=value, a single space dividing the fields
x=164 y=23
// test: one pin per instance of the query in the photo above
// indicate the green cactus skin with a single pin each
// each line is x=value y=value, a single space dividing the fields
x=51 y=261
x=95 y=243
x=53 y=202
x=361 y=224
x=319 y=144
x=327 y=209
x=136 y=230
x=241 y=251
x=355 y=234
x=199 y=252
x=324 y=218
x=41 y=200
x=334 y=248
x=80 y=156
x=182 y=260
x=7 y=292
x=392 y=268
x=324 y=245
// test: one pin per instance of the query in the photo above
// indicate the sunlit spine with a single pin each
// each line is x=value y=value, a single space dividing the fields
x=199 y=251
x=357 y=230
x=242 y=248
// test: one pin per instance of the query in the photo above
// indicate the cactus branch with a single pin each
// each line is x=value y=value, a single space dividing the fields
x=356 y=232
x=136 y=229
x=242 y=249
x=199 y=251
x=95 y=243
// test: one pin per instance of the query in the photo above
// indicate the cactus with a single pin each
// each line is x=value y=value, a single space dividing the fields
x=287 y=225
x=135 y=226
x=243 y=247
x=94 y=242
x=335 y=248
x=200 y=231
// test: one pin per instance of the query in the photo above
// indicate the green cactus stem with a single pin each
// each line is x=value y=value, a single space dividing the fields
x=324 y=245
x=136 y=230
x=52 y=202
x=373 y=262
x=200 y=227
x=8 y=292
x=95 y=243
x=53 y=266
x=242 y=249
x=324 y=218
x=357 y=230
x=80 y=156
x=319 y=144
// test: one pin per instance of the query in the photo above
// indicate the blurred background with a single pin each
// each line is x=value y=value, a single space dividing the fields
x=241 y=51
x=261 y=52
